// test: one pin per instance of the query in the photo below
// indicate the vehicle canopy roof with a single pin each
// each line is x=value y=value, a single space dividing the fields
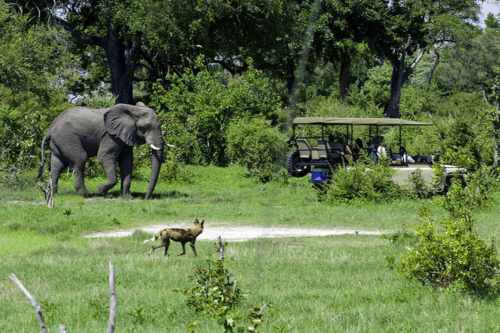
x=358 y=121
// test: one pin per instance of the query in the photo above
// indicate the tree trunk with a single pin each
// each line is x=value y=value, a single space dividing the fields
x=496 y=128
x=290 y=80
x=290 y=85
x=121 y=65
x=344 y=74
x=398 y=73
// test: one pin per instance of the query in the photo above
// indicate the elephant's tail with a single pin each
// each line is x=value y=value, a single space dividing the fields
x=45 y=140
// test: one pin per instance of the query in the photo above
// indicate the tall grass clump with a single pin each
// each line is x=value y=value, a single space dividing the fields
x=448 y=251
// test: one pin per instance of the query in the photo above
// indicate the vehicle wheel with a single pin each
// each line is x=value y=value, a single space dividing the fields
x=293 y=170
x=452 y=179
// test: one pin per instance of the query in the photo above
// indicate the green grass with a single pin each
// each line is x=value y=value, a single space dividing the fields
x=330 y=284
x=221 y=195
x=313 y=285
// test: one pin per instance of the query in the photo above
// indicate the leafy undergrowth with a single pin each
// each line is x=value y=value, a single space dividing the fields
x=329 y=284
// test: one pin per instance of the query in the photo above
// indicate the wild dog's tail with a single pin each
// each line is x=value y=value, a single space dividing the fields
x=46 y=139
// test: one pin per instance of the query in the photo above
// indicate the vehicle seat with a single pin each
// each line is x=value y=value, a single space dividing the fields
x=397 y=159
x=304 y=149
x=322 y=150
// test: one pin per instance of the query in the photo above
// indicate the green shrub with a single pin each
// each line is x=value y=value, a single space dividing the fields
x=198 y=107
x=257 y=146
x=172 y=169
x=32 y=78
x=418 y=187
x=215 y=291
x=362 y=181
x=460 y=201
x=465 y=131
x=449 y=252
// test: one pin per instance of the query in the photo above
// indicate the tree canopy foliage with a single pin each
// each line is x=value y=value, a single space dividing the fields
x=207 y=63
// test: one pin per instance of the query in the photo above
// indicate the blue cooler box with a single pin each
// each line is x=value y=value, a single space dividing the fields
x=319 y=176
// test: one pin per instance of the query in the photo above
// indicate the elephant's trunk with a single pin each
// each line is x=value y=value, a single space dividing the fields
x=156 y=160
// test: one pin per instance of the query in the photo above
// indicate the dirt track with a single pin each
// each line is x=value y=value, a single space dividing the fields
x=243 y=233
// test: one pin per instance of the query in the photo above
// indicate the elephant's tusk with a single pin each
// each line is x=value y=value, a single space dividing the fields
x=154 y=147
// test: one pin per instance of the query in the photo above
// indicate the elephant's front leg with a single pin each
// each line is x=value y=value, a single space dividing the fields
x=126 y=167
x=109 y=165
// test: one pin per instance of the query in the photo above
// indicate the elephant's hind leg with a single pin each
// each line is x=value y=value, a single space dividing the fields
x=79 y=170
x=56 y=167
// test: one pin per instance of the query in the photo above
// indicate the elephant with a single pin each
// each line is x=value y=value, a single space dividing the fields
x=110 y=134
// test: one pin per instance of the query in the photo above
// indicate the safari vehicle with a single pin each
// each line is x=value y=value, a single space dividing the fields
x=322 y=150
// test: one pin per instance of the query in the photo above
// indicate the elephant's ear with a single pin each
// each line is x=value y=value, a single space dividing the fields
x=119 y=123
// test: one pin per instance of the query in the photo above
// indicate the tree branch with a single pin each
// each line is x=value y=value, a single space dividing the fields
x=417 y=59
x=34 y=303
x=112 y=301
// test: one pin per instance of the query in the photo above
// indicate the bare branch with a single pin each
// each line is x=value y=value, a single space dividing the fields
x=221 y=249
x=48 y=192
x=417 y=59
x=34 y=303
x=112 y=301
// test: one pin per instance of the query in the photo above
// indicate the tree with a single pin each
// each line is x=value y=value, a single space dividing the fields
x=33 y=75
x=401 y=31
x=135 y=40
x=473 y=66
x=491 y=21
x=339 y=37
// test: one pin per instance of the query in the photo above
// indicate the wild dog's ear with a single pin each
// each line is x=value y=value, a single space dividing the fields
x=202 y=222
x=196 y=221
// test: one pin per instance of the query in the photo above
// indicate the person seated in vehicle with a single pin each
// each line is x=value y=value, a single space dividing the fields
x=373 y=148
x=338 y=151
x=357 y=148
x=407 y=159
x=381 y=152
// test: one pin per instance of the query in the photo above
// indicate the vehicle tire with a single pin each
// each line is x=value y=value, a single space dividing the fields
x=450 y=179
x=293 y=170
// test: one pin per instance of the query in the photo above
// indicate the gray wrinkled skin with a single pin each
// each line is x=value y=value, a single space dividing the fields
x=110 y=134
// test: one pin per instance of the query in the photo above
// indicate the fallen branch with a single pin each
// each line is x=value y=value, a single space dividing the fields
x=112 y=301
x=62 y=329
x=34 y=303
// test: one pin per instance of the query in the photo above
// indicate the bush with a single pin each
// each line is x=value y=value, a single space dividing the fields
x=449 y=252
x=198 y=108
x=215 y=291
x=460 y=201
x=217 y=294
x=418 y=187
x=465 y=131
x=362 y=181
x=32 y=75
x=257 y=146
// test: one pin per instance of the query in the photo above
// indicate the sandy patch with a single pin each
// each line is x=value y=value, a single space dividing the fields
x=243 y=233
